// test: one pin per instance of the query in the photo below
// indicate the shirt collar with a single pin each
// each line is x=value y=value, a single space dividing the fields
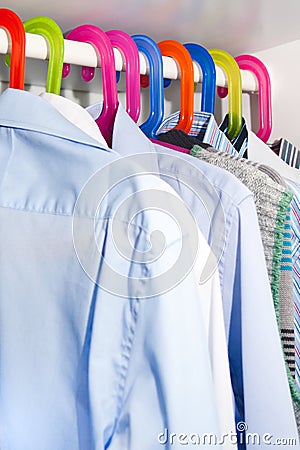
x=21 y=109
x=201 y=121
x=126 y=133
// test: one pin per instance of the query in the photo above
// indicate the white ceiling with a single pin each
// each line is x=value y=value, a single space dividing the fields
x=234 y=25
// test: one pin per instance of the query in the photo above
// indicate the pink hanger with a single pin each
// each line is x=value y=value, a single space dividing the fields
x=256 y=66
x=95 y=36
x=127 y=46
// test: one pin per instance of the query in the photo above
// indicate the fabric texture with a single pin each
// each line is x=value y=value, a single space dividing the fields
x=288 y=152
x=286 y=297
x=286 y=312
x=286 y=301
x=95 y=351
x=246 y=300
x=180 y=138
x=295 y=221
x=240 y=142
x=212 y=308
x=204 y=128
x=272 y=203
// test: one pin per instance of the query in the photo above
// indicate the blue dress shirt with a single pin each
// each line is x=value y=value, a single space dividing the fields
x=87 y=360
x=257 y=367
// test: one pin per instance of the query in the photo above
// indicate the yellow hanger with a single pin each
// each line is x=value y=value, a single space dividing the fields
x=232 y=70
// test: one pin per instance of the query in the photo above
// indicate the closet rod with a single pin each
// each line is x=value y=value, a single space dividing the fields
x=83 y=54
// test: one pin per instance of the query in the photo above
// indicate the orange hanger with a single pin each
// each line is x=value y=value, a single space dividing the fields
x=182 y=57
x=13 y=25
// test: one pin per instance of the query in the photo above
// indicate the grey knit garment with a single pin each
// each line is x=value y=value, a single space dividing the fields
x=272 y=202
x=286 y=301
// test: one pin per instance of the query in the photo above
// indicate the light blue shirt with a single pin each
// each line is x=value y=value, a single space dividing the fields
x=257 y=367
x=87 y=362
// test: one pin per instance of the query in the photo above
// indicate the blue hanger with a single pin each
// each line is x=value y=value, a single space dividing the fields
x=204 y=59
x=207 y=65
x=149 y=48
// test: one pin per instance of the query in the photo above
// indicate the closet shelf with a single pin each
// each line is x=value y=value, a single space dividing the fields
x=83 y=54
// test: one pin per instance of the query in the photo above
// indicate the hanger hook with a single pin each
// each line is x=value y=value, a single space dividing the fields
x=231 y=68
x=149 y=48
x=206 y=63
x=128 y=48
x=257 y=67
x=123 y=42
x=178 y=52
x=51 y=31
x=100 y=41
x=13 y=25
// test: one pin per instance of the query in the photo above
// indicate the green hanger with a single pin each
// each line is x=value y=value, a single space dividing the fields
x=51 y=31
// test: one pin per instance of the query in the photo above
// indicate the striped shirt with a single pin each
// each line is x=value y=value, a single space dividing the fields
x=240 y=142
x=286 y=296
x=295 y=225
x=205 y=128
x=288 y=152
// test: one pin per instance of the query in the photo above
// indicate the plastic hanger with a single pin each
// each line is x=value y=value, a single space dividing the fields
x=127 y=46
x=98 y=38
x=206 y=63
x=51 y=31
x=13 y=25
x=260 y=152
x=231 y=68
x=178 y=52
x=149 y=48
x=88 y=74
x=256 y=66
x=73 y=112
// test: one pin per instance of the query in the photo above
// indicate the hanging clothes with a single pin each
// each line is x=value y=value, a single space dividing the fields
x=286 y=302
x=124 y=132
x=295 y=220
x=247 y=300
x=240 y=142
x=272 y=204
x=204 y=128
x=82 y=351
x=288 y=152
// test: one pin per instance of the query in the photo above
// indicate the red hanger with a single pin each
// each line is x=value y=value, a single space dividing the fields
x=13 y=25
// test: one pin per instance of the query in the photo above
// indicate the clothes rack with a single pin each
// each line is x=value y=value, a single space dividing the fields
x=83 y=54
